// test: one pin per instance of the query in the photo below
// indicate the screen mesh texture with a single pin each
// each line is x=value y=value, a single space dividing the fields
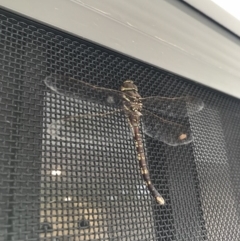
x=88 y=184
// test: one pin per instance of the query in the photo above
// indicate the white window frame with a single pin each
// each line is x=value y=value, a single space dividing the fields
x=167 y=34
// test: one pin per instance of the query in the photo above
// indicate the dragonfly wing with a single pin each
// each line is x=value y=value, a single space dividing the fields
x=177 y=107
x=72 y=128
x=169 y=132
x=77 y=89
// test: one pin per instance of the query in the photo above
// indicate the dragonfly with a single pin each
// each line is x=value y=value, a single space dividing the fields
x=161 y=116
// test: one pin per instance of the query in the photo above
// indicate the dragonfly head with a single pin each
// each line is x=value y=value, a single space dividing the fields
x=128 y=85
x=128 y=81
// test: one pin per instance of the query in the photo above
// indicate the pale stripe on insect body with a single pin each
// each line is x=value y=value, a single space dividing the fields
x=132 y=107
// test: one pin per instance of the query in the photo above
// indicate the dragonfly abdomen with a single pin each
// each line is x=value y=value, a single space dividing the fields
x=143 y=166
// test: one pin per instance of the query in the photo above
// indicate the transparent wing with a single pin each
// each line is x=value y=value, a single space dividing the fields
x=169 y=132
x=177 y=107
x=78 y=89
x=73 y=128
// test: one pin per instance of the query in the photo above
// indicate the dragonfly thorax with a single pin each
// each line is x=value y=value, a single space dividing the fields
x=131 y=99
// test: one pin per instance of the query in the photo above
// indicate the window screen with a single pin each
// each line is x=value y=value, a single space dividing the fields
x=81 y=180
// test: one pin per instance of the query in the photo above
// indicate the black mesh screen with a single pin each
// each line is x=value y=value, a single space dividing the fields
x=87 y=185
